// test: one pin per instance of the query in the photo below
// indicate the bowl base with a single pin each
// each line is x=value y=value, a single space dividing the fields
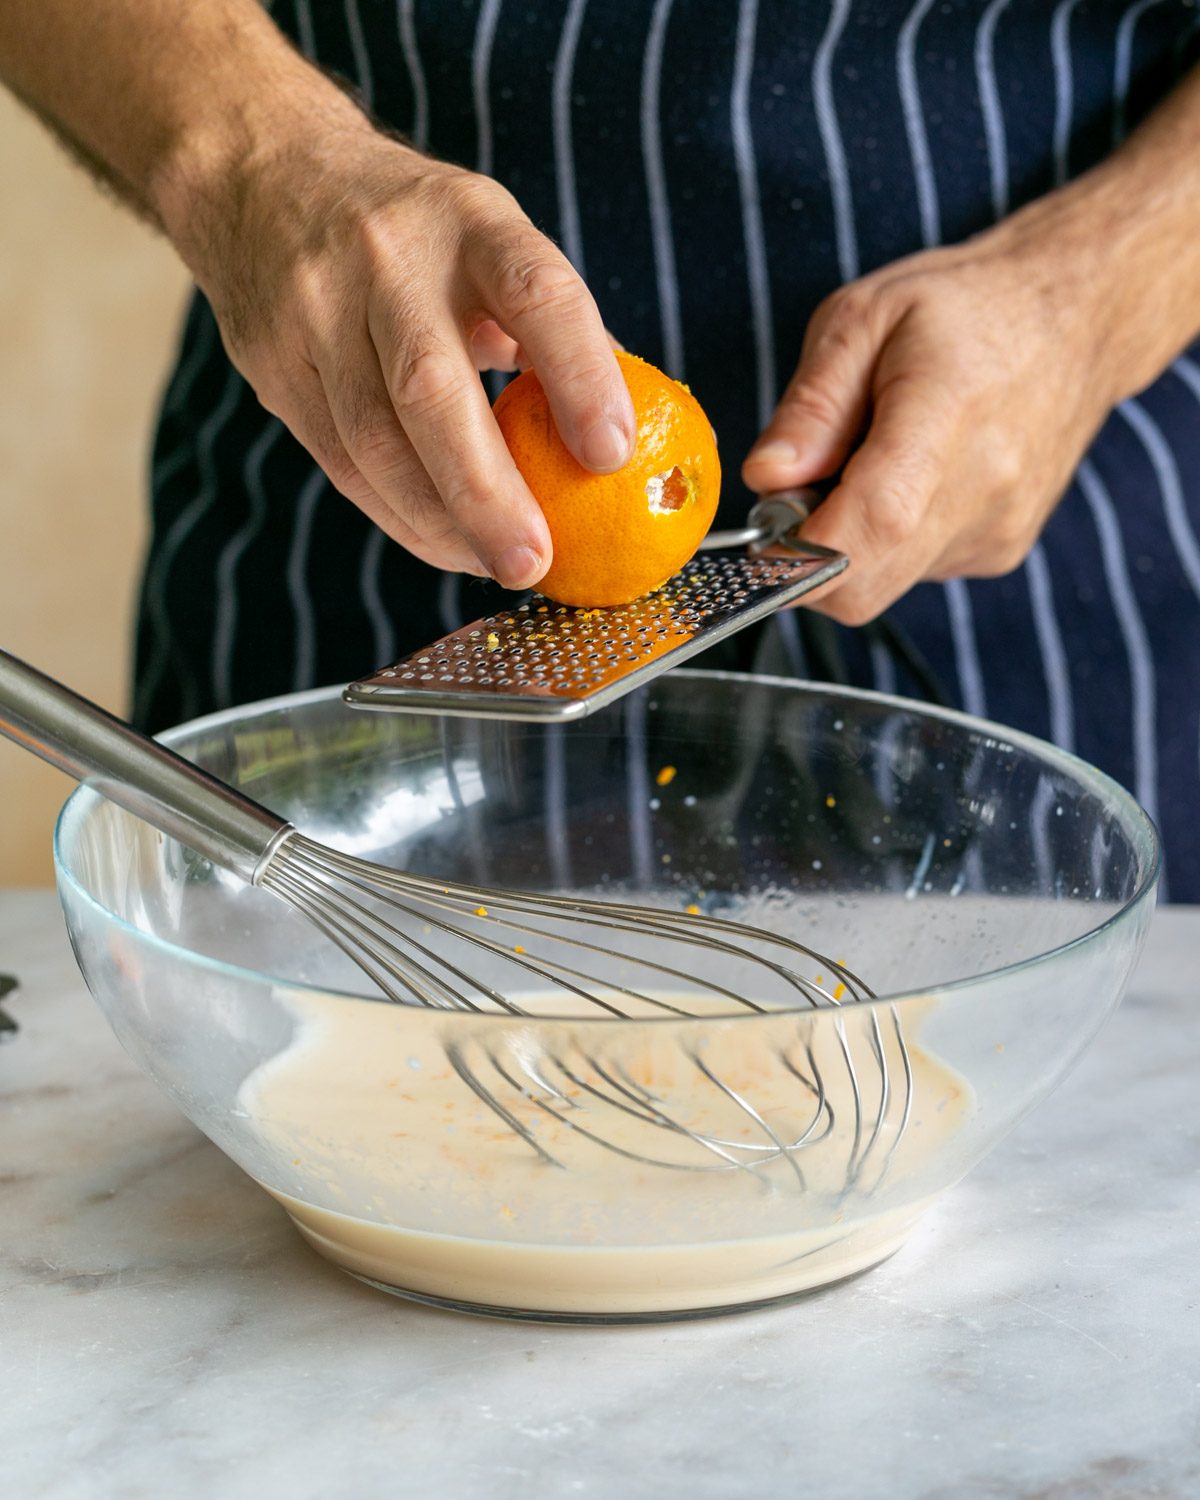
x=600 y=1285
x=616 y=1319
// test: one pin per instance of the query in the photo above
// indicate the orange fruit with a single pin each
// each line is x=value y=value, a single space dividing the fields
x=617 y=536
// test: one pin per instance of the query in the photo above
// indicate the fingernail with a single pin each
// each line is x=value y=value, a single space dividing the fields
x=517 y=568
x=605 y=447
x=776 y=452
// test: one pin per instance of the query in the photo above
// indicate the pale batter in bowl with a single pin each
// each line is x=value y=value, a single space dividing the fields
x=400 y=1173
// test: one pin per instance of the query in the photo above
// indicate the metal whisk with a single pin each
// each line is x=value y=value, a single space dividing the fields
x=487 y=950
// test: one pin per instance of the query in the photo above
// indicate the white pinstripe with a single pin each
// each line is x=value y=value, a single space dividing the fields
x=665 y=276
x=914 y=124
x=1133 y=632
x=558 y=845
x=304 y=655
x=368 y=583
x=450 y=610
x=1116 y=572
x=170 y=466
x=564 y=153
x=957 y=595
x=788 y=629
x=378 y=617
x=1037 y=570
x=921 y=868
x=461 y=744
x=883 y=668
x=1123 y=64
x=304 y=30
x=887 y=760
x=1041 y=810
x=637 y=791
x=1185 y=367
x=966 y=651
x=372 y=555
x=831 y=141
x=296 y=576
x=305 y=651
x=358 y=46
x=752 y=228
x=1166 y=471
x=449 y=602
x=225 y=624
x=416 y=74
x=179 y=531
x=450 y=607
x=1053 y=652
x=481 y=67
x=989 y=102
x=181 y=389
x=1102 y=857
x=1064 y=87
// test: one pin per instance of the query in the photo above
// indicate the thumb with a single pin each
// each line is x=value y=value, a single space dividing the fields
x=822 y=413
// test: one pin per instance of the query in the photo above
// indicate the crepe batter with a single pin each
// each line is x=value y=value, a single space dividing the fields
x=394 y=1168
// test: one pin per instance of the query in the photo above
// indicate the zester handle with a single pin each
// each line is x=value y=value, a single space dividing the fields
x=140 y=775
x=774 y=520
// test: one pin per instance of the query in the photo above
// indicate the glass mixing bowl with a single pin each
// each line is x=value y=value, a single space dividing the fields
x=991 y=889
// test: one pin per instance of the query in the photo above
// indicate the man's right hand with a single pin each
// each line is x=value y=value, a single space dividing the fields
x=359 y=287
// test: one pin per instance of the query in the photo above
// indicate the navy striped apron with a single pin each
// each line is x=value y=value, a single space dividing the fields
x=714 y=168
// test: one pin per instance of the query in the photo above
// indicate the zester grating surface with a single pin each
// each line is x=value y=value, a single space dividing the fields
x=548 y=661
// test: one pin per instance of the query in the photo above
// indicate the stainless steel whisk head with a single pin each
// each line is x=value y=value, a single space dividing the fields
x=485 y=950
x=718 y=964
x=490 y=950
x=853 y=1104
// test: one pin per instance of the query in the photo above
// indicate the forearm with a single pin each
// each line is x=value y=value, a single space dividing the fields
x=1128 y=235
x=162 y=97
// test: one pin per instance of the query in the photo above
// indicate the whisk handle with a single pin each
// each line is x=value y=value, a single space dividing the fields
x=128 y=768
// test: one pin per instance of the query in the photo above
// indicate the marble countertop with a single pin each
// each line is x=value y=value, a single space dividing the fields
x=164 y=1331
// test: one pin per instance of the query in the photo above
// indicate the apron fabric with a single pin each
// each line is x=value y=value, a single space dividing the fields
x=714 y=168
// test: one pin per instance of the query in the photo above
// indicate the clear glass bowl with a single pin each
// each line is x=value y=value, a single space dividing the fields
x=993 y=890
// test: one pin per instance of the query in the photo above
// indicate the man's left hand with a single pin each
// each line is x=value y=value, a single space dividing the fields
x=955 y=392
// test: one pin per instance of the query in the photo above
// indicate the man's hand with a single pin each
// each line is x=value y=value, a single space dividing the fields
x=956 y=391
x=359 y=287
x=978 y=392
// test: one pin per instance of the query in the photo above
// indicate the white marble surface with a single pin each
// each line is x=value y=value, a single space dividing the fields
x=164 y=1332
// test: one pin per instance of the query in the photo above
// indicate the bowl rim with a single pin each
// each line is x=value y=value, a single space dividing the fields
x=82 y=797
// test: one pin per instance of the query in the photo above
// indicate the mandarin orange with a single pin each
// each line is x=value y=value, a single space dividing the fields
x=617 y=536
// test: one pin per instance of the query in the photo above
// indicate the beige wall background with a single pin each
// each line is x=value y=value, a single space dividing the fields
x=90 y=301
